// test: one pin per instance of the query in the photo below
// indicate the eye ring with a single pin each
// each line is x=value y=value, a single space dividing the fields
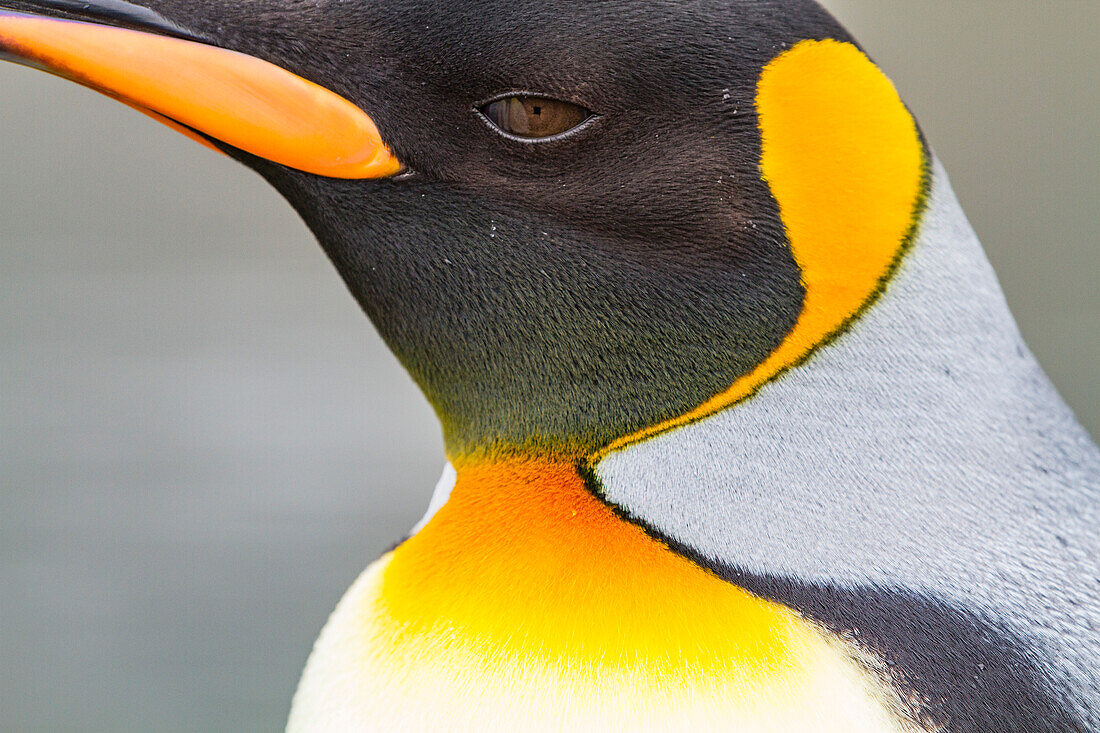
x=565 y=112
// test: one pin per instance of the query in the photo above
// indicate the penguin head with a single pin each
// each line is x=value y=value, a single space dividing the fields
x=574 y=238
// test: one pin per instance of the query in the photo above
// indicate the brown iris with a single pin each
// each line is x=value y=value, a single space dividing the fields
x=534 y=117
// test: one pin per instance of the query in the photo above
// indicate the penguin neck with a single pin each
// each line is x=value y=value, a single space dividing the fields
x=927 y=406
x=931 y=384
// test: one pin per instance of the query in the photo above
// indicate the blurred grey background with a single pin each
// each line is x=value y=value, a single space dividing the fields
x=204 y=442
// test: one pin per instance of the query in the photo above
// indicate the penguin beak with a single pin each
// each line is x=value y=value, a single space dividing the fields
x=200 y=89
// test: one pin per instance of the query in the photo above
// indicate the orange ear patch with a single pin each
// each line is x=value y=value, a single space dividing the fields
x=847 y=167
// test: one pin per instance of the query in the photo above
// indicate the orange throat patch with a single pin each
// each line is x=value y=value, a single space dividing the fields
x=526 y=603
x=524 y=560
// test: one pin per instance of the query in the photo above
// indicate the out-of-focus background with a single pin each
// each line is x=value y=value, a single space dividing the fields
x=204 y=442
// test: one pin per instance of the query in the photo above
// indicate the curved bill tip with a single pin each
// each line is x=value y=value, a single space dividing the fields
x=237 y=99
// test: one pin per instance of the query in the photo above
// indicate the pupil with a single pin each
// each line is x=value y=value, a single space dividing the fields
x=526 y=116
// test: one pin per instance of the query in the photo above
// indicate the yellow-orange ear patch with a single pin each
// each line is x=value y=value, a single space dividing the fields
x=847 y=167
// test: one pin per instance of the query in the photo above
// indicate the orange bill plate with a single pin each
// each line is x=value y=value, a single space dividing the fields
x=232 y=97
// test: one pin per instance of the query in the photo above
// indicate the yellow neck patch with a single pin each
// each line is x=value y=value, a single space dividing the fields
x=527 y=604
x=847 y=167
x=525 y=560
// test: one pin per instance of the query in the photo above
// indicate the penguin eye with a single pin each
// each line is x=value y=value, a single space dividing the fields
x=534 y=118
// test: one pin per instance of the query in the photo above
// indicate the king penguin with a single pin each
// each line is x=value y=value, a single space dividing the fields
x=741 y=435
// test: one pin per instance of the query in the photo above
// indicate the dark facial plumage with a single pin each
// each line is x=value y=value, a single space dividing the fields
x=550 y=295
x=560 y=294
